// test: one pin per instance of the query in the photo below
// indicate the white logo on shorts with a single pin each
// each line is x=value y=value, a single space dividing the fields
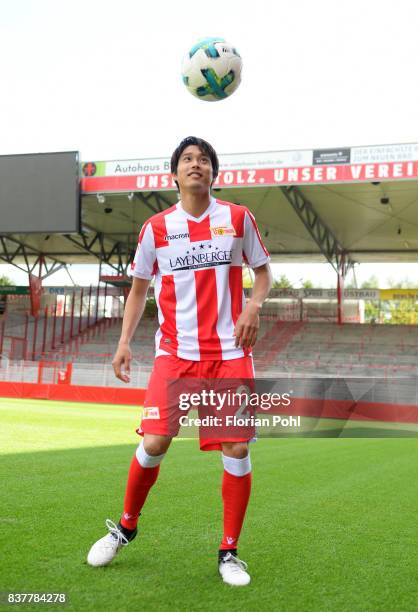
x=151 y=412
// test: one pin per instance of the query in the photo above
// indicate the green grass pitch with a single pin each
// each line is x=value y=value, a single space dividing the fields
x=331 y=523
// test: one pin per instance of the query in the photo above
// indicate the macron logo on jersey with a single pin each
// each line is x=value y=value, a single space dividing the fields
x=177 y=236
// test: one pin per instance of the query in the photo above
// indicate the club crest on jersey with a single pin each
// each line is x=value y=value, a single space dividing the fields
x=223 y=230
x=151 y=412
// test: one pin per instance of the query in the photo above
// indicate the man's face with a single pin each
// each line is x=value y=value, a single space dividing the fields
x=194 y=170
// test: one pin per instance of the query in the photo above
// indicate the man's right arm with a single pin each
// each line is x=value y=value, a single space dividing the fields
x=134 y=308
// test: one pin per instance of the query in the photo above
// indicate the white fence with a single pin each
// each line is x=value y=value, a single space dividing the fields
x=96 y=374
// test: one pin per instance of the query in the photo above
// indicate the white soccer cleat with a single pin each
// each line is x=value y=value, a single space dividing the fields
x=233 y=571
x=106 y=549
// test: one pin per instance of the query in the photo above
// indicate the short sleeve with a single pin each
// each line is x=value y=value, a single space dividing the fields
x=255 y=253
x=144 y=264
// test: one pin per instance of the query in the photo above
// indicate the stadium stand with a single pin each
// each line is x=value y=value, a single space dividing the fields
x=325 y=349
x=328 y=349
x=287 y=344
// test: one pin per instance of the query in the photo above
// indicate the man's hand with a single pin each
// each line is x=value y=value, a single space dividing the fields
x=247 y=326
x=122 y=362
x=248 y=323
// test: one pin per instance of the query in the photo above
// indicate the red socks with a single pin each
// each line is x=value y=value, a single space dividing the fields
x=236 y=489
x=140 y=481
x=236 y=494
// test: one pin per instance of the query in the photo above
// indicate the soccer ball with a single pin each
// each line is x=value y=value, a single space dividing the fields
x=212 y=69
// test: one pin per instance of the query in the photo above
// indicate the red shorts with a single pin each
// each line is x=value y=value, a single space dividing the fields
x=161 y=415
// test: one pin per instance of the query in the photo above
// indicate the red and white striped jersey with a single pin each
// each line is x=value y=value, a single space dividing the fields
x=197 y=263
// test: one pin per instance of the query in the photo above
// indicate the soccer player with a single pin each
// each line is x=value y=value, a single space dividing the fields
x=195 y=250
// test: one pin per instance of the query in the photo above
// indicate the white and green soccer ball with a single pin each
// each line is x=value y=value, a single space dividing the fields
x=212 y=69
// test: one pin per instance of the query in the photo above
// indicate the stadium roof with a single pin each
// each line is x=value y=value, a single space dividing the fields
x=312 y=205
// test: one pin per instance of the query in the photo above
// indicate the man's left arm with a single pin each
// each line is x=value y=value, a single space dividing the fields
x=248 y=323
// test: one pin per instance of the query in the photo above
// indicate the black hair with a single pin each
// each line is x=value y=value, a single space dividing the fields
x=203 y=146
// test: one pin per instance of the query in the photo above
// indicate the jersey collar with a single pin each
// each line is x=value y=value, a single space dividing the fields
x=202 y=216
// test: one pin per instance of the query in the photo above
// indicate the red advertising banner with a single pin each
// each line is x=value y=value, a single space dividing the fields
x=35 y=284
x=297 y=175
